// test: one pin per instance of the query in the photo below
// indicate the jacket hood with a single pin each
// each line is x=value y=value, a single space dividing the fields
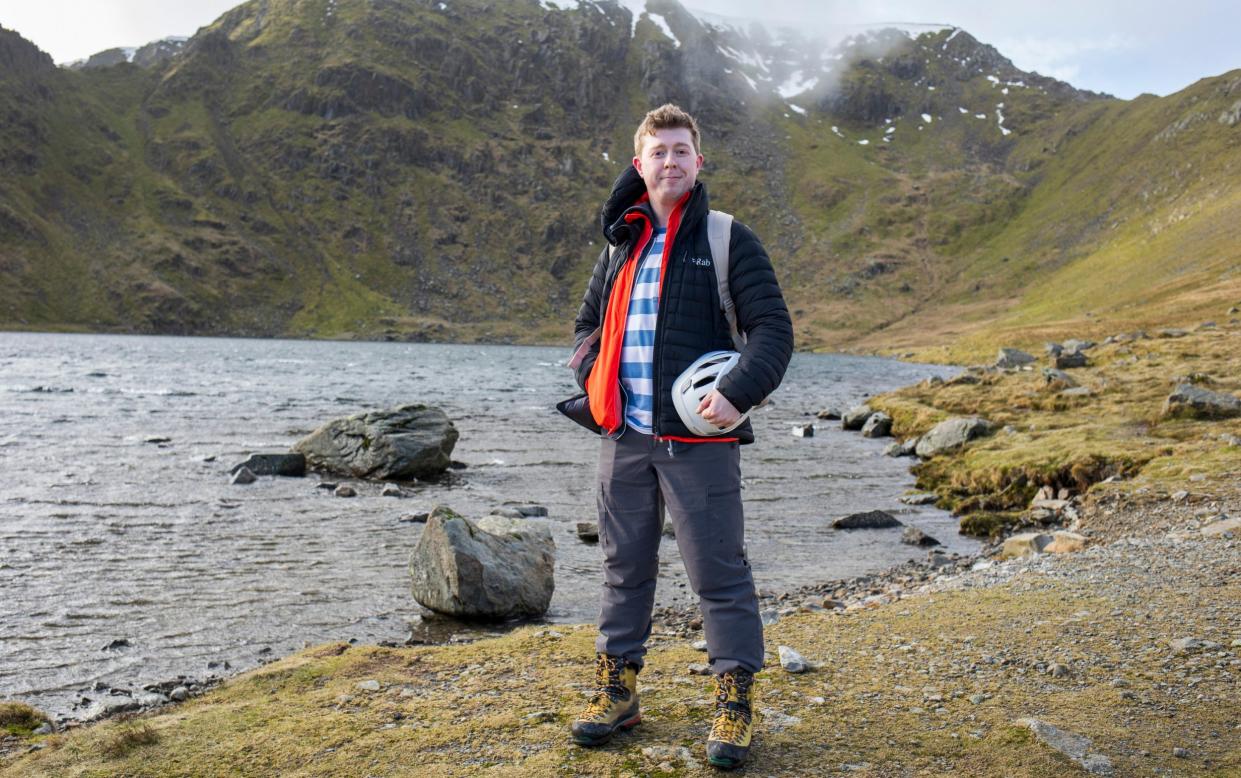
x=626 y=191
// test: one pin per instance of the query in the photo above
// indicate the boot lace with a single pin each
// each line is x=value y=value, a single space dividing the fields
x=732 y=707
x=610 y=688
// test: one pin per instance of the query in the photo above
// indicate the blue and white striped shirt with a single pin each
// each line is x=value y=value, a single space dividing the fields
x=637 y=365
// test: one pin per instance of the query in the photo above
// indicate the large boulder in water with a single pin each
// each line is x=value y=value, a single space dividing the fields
x=412 y=441
x=952 y=434
x=493 y=568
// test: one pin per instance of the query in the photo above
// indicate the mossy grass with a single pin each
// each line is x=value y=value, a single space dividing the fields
x=1046 y=439
x=18 y=718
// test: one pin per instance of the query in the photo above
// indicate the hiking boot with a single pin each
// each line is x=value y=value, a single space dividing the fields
x=613 y=706
x=729 y=742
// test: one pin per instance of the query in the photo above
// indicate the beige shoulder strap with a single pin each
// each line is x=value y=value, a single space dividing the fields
x=719 y=235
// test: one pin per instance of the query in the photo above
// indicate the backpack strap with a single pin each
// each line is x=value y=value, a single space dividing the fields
x=719 y=235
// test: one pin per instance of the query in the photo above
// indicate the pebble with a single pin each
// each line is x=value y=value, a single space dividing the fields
x=540 y=717
x=368 y=686
x=978 y=698
x=1180 y=753
x=792 y=661
x=699 y=668
x=699 y=645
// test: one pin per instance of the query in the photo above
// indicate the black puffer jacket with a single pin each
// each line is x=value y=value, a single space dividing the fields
x=691 y=321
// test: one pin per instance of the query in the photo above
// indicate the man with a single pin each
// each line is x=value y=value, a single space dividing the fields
x=654 y=302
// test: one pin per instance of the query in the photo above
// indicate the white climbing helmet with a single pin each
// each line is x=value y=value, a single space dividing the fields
x=695 y=383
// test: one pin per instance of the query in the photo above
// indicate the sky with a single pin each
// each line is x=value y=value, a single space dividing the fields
x=1121 y=47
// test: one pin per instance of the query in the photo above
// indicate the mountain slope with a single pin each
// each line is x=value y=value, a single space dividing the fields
x=433 y=170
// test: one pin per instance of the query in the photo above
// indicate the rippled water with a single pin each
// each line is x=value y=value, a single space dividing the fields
x=104 y=536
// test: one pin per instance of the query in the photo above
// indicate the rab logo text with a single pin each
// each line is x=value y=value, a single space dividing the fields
x=700 y=261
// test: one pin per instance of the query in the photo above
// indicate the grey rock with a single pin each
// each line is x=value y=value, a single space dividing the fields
x=1011 y=357
x=699 y=668
x=588 y=531
x=1073 y=344
x=803 y=430
x=494 y=568
x=288 y=465
x=156 y=439
x=179 y=694
x=878 y=425
x=855 y=417
x=1058 y=379
x=866 y=520
x=151 y=700
x=1191 y=402
x=1053 y=349
x=45 y=728
x=401 y=444
x=699 y=645
x=903 y=448
x=1180 y=753
x=1077 y=391
x=1071 y=744
x=792 y=661
x=368 y=686
x=415 y=518
x=532 y=511
x=392 y=490
x=540 y=717
x=952 y=434
x=243 y=477
x=1185 y=645
x=978 y=698
x=829 y=414
x=507 y=513
x=108 y=708
x=916 y=537
x=769 y=616
x=1068 y=359
x=345 y=490
x=1171 y=332
x=924 y=498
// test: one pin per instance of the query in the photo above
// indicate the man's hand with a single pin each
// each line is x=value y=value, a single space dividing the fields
x=717 y=410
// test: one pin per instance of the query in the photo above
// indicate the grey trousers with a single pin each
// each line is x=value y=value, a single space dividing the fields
x=700 y=484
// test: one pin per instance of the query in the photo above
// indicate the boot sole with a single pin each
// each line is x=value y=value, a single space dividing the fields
x=623 y=726
x=725 y=764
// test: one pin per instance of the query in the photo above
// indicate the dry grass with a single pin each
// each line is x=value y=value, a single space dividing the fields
x=126 y=738
x=467 y=710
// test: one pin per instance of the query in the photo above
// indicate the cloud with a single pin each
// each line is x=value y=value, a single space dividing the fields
x=1063 y=58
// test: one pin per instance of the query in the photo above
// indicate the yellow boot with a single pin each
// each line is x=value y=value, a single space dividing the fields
x=729 y=741
x=614 y=705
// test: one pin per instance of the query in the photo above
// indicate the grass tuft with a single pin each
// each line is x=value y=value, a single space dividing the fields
x=20 y=719
x=126 y=738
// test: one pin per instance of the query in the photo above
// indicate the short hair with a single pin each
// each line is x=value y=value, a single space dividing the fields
x=665 y=117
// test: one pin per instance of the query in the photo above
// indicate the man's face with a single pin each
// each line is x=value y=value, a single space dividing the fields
x=668 y=164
